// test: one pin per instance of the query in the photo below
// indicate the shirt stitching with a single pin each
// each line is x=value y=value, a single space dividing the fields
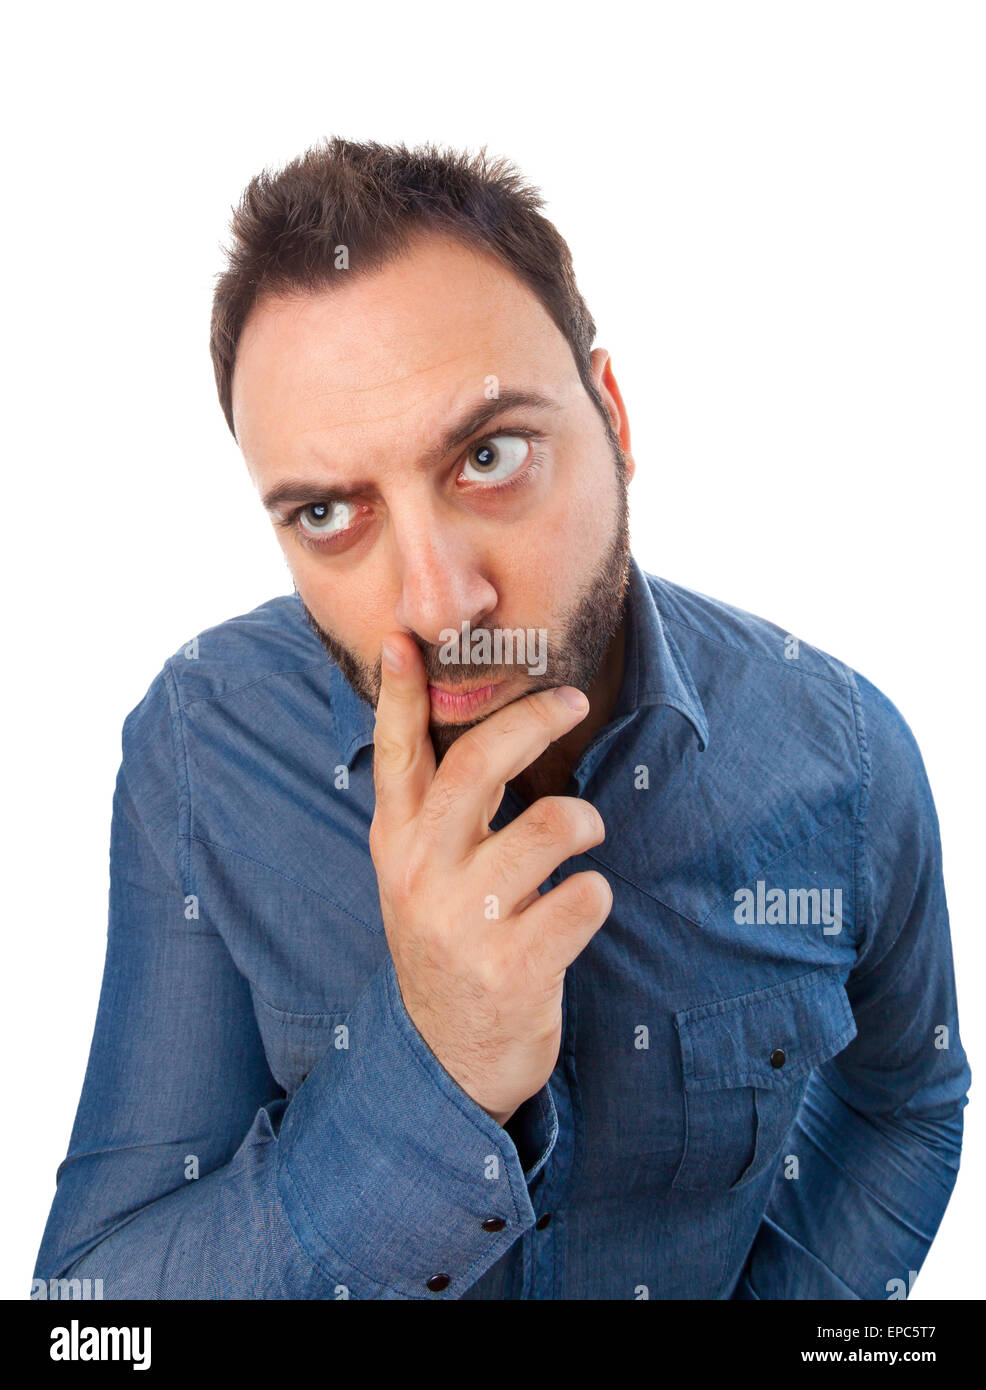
x=774 y=663
x=248 y=685
x=287 y=877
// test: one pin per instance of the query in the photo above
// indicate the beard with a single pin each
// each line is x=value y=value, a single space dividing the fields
x=585 y=633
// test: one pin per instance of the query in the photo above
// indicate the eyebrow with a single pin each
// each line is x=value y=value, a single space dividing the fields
x=305 y=490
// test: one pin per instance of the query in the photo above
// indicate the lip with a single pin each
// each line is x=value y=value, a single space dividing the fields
x=458 y=702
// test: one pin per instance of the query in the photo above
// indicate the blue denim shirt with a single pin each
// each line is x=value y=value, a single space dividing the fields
x=760 y=1086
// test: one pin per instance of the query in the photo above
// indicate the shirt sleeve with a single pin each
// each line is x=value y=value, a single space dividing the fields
x=189 y=1173
x=879 y=1134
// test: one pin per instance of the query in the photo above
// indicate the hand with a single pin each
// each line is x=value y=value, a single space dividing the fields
x=480 y=954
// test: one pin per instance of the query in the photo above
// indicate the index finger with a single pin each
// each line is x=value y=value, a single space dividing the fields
x=403 y=755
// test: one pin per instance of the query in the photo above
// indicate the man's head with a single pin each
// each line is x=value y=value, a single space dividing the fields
x=405 y=362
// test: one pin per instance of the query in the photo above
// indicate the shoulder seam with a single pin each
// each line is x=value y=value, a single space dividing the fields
x=860 y=819
x=761 y=660
x=183 y=787
x=754 y=656
x=257 y=680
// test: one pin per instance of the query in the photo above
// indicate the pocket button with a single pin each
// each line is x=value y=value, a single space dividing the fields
x=778 y=1057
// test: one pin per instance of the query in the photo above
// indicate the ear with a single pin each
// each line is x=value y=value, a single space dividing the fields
x=602 y=375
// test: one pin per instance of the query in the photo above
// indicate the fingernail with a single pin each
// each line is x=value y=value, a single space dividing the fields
x=571 y=697
x=391 y=657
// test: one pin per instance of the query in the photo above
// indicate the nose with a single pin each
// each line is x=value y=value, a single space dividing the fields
x=442 y=584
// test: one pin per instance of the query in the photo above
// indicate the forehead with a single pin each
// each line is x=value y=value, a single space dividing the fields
x=411 y=342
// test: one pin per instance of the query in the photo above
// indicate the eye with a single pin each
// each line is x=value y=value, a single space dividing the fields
x=495 y=459
x=326 y=518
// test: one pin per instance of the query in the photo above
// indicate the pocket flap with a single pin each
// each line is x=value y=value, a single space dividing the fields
x=730 y=1042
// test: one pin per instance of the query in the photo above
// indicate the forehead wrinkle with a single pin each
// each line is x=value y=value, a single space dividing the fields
x=330 y=391
x=462 y=400
x=463 y=397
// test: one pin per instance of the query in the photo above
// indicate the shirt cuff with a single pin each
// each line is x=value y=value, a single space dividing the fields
x=534 y=1129
x=395 y=1182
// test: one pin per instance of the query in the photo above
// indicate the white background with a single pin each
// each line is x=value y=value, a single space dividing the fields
x=777 y=216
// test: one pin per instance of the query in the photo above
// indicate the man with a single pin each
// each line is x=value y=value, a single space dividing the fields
x=428 y=977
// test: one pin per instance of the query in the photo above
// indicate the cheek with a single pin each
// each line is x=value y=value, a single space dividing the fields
x=348 y=607
x=592 y=514
x=573 y=529
x=582 y=507
x=352 y=603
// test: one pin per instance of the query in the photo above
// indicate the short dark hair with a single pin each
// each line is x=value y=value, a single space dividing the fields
x=371 y=199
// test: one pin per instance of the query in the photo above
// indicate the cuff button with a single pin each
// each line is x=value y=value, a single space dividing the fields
x=437 y=1282
x=493 y=1224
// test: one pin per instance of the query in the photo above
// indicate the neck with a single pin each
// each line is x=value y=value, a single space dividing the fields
x=549 y=775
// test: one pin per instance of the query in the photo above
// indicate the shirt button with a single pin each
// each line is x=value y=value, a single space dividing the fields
x=437 y=1282
x=542 y=1221
x=778 y=1057
x=494 y=1223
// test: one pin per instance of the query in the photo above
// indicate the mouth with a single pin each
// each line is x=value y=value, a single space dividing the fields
x=456 y=703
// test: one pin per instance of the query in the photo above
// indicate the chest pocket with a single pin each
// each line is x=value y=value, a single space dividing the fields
x=745 y=1066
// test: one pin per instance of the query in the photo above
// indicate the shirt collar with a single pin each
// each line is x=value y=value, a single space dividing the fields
x=654 y=673
x=352 y=717
x=654 y=670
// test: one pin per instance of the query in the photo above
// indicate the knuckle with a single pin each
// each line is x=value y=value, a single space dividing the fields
x=466 y=762
x=590 y=895
x=390 y=752
x=412 y=878
x=376 y=839
x=487 y=974
x=560 y=818
x=586 y=822
x=550 y=818
x=533 y=958
x=592 y=822
x=437 y=806
x=542 y=711
x=402 y=881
